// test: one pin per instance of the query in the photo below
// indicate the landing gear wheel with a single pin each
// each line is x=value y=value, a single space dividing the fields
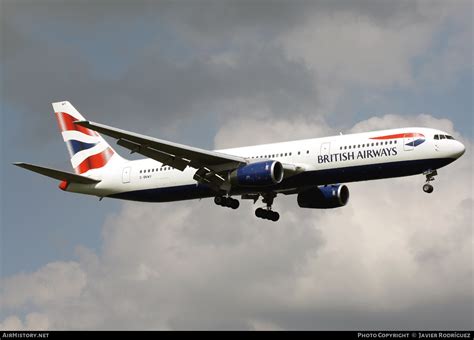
x=267 y=214
x=274 y=216
x=234 y=204
x=225 y=201
x=219 y=200
x=228 y=202
x=260 y=213
x=428 y=188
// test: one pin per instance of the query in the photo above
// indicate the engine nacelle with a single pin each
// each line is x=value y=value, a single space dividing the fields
x=258 y=174
x=325 y=197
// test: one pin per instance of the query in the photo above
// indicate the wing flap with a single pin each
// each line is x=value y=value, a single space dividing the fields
x=163 y=157
x=57 y=174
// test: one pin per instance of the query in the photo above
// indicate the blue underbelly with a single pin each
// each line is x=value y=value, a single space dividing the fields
x=309 y=178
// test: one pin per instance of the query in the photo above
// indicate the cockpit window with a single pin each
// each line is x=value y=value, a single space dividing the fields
x=437 y=137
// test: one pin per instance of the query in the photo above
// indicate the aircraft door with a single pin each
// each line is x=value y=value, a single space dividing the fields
x=408 y=142
x=126 y=175
x=325 y=148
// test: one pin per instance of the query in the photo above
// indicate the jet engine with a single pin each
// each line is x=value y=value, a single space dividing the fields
x=258 y=174
x=324 y=197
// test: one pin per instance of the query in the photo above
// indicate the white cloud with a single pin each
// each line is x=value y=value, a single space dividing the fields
x=266 y=128
x=370 y=51
x=392 y=120
x=33 y=321
x=57 y=281
x=394 y=257
x=12 y=322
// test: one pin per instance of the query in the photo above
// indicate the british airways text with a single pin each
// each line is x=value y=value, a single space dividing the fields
x=351 y=155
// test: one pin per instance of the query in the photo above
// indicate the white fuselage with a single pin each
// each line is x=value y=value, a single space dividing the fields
x=318 y=161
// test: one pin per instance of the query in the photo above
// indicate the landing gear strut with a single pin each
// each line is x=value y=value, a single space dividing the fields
x=268 y=213
x=430 y=174
x=228 y=202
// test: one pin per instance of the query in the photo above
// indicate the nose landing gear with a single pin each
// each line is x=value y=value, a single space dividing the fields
x=428 y=188
x=430 y=174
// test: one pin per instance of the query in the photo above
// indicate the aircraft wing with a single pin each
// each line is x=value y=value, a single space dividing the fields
x=58 y=174
x=178 y=156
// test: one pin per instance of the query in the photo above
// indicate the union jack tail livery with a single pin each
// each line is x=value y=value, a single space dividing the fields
x=88 y=150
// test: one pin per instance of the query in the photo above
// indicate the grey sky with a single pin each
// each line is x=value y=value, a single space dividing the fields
x=229 y=73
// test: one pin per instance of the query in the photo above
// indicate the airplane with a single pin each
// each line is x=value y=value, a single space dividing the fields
x=312 y=169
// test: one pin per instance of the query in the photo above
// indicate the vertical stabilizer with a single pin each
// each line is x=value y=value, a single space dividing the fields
x=88 y=150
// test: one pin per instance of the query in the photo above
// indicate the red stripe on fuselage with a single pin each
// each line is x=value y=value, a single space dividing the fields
x=400 y=135
x=66 y=123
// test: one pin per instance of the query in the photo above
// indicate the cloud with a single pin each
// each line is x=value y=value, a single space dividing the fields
x=33 y=321
x=164 y=75
x=390 y=120
x=55 y=281
x=236 y=132
x=369 y=48
x=393 y=258
x=184 y=64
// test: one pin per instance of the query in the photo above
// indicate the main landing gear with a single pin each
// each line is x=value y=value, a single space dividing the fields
x=268 y=213
x=430 y=174
x=228 y=202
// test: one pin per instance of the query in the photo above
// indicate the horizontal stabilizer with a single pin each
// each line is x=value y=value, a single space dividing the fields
x=58 y=174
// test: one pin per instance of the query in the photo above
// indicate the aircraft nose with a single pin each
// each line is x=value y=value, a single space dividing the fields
x=458 y=149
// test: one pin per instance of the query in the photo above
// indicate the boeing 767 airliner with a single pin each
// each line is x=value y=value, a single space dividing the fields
x=312 y=169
